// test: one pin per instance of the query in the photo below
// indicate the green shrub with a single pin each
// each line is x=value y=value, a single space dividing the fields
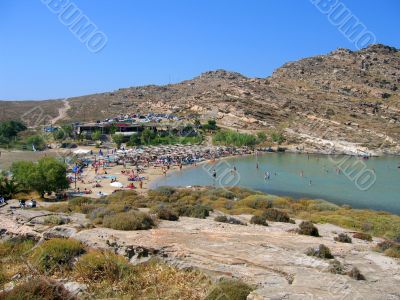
x=321 y=252
x=276 y=215
x=38 y=289
x=308 y=228
x=343 y=238
x=259 y=220
x=102 y=266
x=356 y=274
x=256 y=202
x=165 y=213
x=362 y=236
x=229 y=220
x=229 y=289
x=132 y=220
x=56 y=254
x=195 y=211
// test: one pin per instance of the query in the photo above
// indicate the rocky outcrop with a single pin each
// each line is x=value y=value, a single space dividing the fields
x=272 y=258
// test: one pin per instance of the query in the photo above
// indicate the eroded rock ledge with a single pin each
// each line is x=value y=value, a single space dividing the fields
x=271 y=257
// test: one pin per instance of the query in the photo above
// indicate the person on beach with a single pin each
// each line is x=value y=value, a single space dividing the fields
x=257 y=166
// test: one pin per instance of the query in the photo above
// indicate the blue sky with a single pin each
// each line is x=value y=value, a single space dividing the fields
x=158 y=41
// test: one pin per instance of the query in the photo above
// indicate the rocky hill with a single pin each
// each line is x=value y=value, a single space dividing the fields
x=344 y=101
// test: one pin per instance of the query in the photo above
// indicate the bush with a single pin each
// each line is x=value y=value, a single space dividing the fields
x=356 y=274
x=229 y=220
x=362 y=236
x=229 y=289
x=259 y=220
x=14 y=248
x=196 y=211
x=132 y=220
x=336 y=267
x=256 y=202
x=276 y=215
x=308 y=228
x=38 y=289
x=322 y=252
x=102 y=266
x=55 y=220
x=343 y=238
x=393 y=251
x=56 y=254
x=165 y=213
x=389 y=248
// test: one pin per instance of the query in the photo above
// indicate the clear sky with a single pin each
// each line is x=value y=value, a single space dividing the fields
x=159 y=41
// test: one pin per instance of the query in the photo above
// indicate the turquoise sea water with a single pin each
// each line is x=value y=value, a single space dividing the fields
x=373 y=183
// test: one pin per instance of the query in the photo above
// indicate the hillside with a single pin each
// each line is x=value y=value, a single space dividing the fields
x=343 y=101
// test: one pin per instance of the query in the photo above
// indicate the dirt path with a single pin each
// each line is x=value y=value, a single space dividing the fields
x=62 y=112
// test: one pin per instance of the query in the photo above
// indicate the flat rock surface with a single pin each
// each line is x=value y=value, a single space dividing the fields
x=270 y=257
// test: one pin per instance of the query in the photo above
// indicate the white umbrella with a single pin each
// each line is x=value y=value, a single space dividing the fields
x=117 y=184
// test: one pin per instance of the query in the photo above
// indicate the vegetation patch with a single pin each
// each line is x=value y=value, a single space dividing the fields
x=308 y=228
x=229 y=220
x=389 y=248
x=38 y=289
x=259 y=220
x=55 y=220
x=131 y=220
x=98 y=266
x=362 y=236
x=230 y=289
x=321 y=252
x=196 y=211
x=56 y=255
x=275 y=215
x=356 y=274
x=165 y=213
x=343 y=238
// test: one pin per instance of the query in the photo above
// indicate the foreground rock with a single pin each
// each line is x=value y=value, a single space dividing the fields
x=271 y=257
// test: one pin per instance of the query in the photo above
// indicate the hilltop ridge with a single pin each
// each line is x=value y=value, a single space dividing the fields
x=344 y=100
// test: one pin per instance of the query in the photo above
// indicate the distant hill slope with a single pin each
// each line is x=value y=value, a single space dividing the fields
x=343 y=99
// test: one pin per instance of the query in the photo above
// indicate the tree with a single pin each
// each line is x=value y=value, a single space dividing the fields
x=47 y=175
x=96 y=136
x=9 y=130
x=135 y=140
x=113 y=129
x=8 y=187
x=118 y=139
x=59 y=135
x=147 y=136
x=37 y=141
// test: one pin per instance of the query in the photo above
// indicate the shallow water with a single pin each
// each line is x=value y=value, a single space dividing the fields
x=373 y=183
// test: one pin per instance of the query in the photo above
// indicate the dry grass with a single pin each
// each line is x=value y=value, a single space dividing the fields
x=109 y=275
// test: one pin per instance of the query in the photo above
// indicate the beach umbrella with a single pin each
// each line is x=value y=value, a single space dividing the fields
x=117 y=184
